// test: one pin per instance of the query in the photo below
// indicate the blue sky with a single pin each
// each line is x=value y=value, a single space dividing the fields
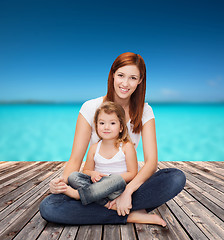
x=62 y=50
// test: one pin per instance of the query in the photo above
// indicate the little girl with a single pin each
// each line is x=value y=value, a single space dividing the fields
x=110 y=163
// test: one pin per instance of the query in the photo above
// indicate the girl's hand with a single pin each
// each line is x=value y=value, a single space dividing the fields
x=96 y=176
x=123 y=203
x=58 y=185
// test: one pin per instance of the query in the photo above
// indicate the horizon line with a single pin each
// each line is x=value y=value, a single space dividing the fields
x=32 y=101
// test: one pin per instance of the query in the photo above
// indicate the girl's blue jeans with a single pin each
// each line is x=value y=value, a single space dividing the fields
x=107 y=189
x=158 y=189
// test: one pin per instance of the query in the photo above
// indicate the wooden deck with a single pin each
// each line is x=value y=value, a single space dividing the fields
x=196 y=213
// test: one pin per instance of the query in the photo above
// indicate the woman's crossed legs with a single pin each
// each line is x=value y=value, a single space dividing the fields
x=158 y=189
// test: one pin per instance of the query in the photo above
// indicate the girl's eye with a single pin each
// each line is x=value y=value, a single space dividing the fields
x=113 y=123
x=101 y=123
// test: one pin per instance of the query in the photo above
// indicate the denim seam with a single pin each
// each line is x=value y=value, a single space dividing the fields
x=82 y=196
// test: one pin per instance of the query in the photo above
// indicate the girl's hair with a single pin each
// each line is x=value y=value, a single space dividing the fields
x=112 y=107
x=138 y=96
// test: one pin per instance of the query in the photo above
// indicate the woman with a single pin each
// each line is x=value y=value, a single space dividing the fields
x=149 y=189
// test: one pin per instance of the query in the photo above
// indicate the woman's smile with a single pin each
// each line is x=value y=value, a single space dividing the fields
x=124 y=90
x=126 y=80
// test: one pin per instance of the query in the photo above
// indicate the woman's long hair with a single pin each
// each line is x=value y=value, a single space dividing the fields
x=138 y=96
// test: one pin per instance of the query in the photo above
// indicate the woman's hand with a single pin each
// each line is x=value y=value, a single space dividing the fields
x=123 y=203
x=96 y=176
x=58 y=185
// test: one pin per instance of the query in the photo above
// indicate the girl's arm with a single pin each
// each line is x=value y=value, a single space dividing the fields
x=80 y=144
x=123 y=202
x=131 y=162
x=90 y=165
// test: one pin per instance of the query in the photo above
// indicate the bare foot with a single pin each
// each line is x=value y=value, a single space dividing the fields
x=141 y=216
x=72 y=193
x=114 y=207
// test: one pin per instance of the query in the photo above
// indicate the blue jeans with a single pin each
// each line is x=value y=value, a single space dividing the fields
x=107 y=189
x=158 y=189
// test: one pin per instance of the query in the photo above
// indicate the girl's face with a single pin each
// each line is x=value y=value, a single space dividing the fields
x=108 y=126
x=126 y=80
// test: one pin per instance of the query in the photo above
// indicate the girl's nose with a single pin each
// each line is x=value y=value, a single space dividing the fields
x=106 y=126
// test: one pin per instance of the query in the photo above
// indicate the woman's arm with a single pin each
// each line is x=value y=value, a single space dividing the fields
x=80 y=144
x=150 y=156
x=90 y=164
x=123 y=202
x=131 y=162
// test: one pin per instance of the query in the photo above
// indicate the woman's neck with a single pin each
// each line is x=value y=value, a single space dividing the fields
x=123 y=102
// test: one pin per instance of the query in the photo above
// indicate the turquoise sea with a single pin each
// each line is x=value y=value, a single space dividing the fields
x=44 y=132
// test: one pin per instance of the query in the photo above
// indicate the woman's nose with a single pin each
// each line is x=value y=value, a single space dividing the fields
x=125 y=81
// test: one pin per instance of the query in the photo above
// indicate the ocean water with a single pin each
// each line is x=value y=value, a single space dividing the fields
x=45 y=132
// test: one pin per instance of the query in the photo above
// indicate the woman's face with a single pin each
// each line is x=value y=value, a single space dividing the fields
x=126 y=80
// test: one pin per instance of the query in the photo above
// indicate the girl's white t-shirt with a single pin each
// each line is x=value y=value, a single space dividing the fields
x=88 y=110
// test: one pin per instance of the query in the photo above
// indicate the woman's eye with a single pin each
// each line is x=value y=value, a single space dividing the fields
x=120 y=75
x=134 y=78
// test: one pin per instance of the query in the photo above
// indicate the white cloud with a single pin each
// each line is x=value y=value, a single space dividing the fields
x=169 y=92
x=214 y=82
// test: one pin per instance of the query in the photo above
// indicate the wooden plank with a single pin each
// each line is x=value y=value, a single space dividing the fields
x=11 y=166
x=214 y=168
x=174 y=228
x=212 y=193
x=205 y=177
x=112 y=232
x=69 y=233
x=206 y=200
x=209 y=191
x=204 y=197
x=192 y=229
x=41 y=188
x=196 y=213
x=9 y=218
x=146 y=231
x=202 y=167
x=15 y=194
x=17 y=171
x=218 y=164
x=51 y=232
x=209 y=224
x=32 y=229
x=4 y=166
x=21 y=221
x=128 y=232
x=90 y=232
x=20 y=179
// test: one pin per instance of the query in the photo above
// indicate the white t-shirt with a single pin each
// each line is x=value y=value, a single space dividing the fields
x=88 y=110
